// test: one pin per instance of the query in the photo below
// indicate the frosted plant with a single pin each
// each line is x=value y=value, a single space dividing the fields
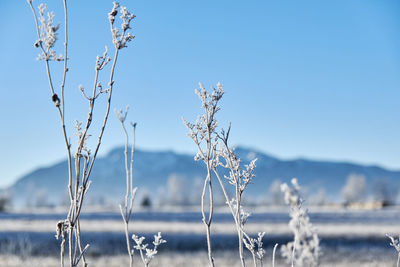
x=396 y=244
x=240 y=178
x=304 y=250
x=211 y=148
x=147 y=254
x=120 y=40
x=47 y=33
x=127 y=208
x=255 y=246
x=203 y=134
x=78 y=180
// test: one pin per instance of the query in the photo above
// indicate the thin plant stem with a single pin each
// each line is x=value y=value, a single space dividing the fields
x=128 y=243
x=293 y=252
x=68 y=146
x=210 y=191
x=240 y=234
x=78 y=154
x=238 y=201
x=239 y=226
x=111 y=83
x=273 y=255
x=62 y=251
x=131 y=166
x=143 y=259
x=70 y=232
x=126 y=211
x=254 y=260
x=207 y=222
x=211 y=212
x=81 y=249
x=126 y=166
x=90 y=166
x=208 y=185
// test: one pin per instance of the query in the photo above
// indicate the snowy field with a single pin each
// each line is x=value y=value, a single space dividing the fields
x=348 y=238
x=199 y=259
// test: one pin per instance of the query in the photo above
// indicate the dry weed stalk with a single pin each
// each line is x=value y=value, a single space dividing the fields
x=78 y=182
x=240 y=179
x=208 y=141
x=126 y=210
x=146 y=254
x=203 y=134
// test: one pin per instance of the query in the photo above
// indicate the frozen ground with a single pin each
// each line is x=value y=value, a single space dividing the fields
x=348 y=238
x=199 y=259
x=329 y=222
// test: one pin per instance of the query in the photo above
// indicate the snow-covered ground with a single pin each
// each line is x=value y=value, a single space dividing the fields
x=199 y=259
x=330 y=229
x=329 y=222
x=348 y=238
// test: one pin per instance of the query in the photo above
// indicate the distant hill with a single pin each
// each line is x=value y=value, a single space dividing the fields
x=166 y=176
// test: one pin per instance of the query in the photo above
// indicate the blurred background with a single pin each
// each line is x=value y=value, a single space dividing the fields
x=311 y=90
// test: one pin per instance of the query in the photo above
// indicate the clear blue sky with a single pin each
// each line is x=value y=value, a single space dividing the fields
x=315 y=79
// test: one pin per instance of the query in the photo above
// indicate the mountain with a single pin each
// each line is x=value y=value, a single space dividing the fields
x=168 y=176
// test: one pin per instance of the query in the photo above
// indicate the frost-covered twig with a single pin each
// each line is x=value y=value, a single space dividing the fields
x=204 y=136
x=240 y=178
x=126 y=210
x=396 y=244
x=84 y=160
x=304 y=250
x=211 y=148
x=255 y=246
x=147 y=254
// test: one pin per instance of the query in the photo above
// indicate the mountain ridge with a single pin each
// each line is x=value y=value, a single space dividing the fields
x=161 y=174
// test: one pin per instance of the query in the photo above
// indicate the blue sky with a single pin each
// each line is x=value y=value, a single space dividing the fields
x=313 y=79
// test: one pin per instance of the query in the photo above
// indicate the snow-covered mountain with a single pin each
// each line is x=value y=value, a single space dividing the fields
x=169 y=176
